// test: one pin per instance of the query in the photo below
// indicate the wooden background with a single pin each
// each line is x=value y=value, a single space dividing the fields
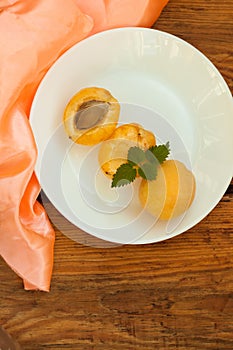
x=176 y=294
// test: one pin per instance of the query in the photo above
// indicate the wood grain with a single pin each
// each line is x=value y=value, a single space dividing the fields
x=176 y=294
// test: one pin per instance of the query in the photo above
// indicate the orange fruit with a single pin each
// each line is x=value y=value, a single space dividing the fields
x=113 y=152
x=171 y=193
x=91 y=116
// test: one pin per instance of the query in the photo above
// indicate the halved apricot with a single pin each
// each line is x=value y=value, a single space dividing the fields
x=91 y=116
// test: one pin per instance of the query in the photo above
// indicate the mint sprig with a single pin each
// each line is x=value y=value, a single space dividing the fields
x=142 y=162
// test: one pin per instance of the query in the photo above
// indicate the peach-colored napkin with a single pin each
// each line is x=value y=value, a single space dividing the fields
x=33 y=34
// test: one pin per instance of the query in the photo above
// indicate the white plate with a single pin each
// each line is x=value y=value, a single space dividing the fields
x=167 y=86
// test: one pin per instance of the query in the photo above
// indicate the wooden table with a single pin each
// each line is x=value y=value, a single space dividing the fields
x=177 y=294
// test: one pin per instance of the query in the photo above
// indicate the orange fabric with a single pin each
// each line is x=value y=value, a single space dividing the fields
x=109 y=14
x=33 y=34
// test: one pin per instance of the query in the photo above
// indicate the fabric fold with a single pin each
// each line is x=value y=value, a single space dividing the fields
x=33 y=34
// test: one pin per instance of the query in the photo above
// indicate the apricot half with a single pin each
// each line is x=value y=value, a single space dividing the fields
x=171 y=193
x=91 y=116
x=114 y=151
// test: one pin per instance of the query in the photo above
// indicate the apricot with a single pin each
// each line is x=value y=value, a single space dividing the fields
x=171 y=193
x=114 y=151
x=91 y=116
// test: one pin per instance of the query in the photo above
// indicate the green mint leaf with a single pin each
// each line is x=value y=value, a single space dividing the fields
x=136 y=155
x=150 y=157
x=124 y=175
x=160 y=153
x=148 y=171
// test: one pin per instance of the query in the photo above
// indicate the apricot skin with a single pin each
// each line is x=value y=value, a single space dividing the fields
x=171 y=193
